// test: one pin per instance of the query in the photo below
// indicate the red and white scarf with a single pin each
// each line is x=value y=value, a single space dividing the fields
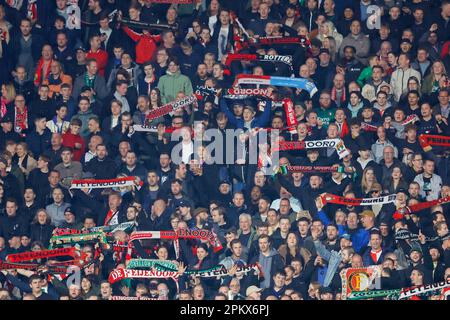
x=119 y=274
x=331 y=198
x=291 y=120
x=40 y=75
x=172 y=106
x=210 y=236
x=106 y=183
x=32 y=12
x=400 y=213
x=334 y=95
x=20 y=120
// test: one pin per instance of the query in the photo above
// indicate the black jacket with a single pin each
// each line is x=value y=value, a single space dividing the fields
x=12 y=226
x=105 y=169
x=14 y=47
x=41 y=233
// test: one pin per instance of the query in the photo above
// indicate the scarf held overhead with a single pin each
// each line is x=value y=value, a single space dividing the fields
x=358 y=279
x=400 y=213
x=301 y=145
x=44 y=254
x=331 y=198
x=106 y=183
x=172 y=235
x=426 y=141
x=172 y=106
x=220 y=271
x=298 y=83
x=400 y=294
x=258 y=57
x=120 y=274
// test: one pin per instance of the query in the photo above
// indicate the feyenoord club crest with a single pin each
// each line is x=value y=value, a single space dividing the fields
x=359 y=279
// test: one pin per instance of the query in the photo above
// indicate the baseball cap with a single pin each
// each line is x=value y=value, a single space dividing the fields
x=405 y=40
x=183 y=203
x=85 y=88
x=416 y=247
x=367 y=213
x=6 y=119
x=69 y=209
x=324 y=50
x=81 y=48
x=225 y=181
x=325 y=290
x=345 y=236
x=252 y=289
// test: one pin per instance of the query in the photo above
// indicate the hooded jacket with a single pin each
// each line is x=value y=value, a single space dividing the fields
x=269 y=265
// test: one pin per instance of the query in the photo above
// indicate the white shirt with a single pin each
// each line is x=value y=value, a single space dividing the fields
x=188 y=149
x=211 y=22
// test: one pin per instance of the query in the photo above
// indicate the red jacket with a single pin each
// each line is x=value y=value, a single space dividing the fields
x=101 y=56
x=146 y=44
x=69 y=140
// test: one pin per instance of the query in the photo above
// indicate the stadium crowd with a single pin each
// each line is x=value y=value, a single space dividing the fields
x=79 y=80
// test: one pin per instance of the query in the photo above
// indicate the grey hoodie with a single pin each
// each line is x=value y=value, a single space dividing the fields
x=266 y=265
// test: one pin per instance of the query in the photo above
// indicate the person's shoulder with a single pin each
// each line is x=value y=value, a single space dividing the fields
x=76 y=164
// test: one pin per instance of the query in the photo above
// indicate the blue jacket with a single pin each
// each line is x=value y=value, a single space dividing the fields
x=360 y=239
x=326 y=221
x=258 y=122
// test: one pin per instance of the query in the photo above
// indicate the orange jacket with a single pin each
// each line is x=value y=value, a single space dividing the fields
x=56 y=88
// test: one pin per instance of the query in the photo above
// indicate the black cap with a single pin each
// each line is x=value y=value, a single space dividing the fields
x=6 y=119
x=85 y=88
x=69 y=209
x=183 y=203
x=225 y=181
x=364 y=146
x=324 y=50
x=406 y=40
x=325 y=290
x=81 y=48
x=291 y=6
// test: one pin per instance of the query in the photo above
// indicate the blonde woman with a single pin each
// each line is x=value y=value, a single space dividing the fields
x=327 y=29
x=436 y=79
x=8 y=96
x=368 y=180
x=24 y=160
